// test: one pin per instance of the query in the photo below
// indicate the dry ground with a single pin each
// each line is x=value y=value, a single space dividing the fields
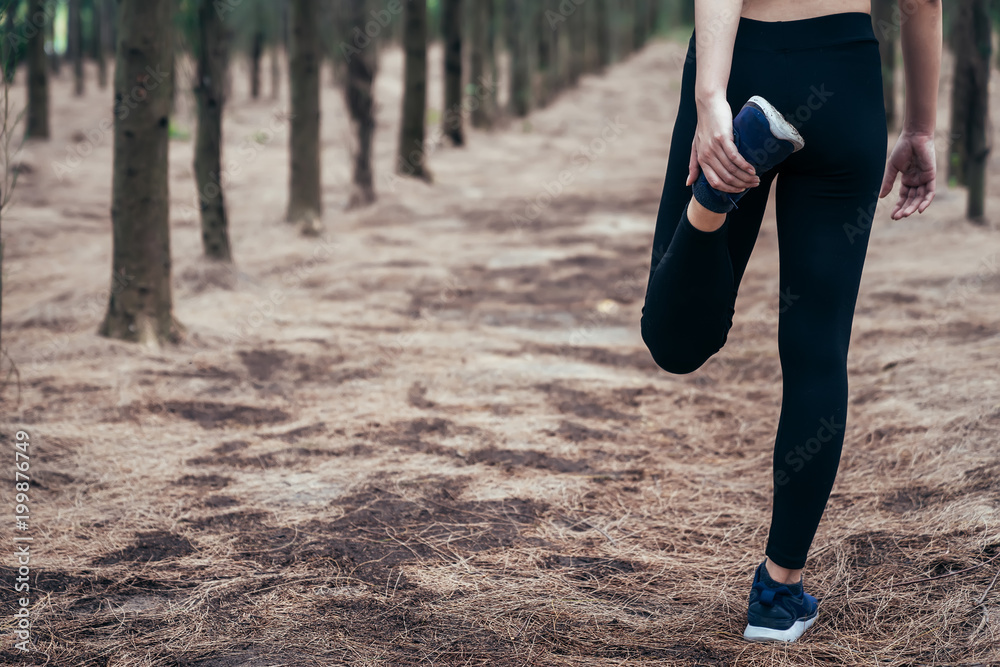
x=434 y=436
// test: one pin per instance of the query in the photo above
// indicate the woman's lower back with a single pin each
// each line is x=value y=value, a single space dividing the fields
x=791 y=10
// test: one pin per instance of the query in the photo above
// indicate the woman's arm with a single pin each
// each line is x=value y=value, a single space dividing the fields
x=713 y=149
x=913 y=155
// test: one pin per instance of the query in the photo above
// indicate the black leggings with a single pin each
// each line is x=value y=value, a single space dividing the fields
x=824 y=75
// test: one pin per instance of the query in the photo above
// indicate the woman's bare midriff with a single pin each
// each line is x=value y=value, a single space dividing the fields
x=792 y=10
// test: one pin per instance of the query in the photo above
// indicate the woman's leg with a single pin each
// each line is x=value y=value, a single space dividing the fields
x=694 y=274
x=821 y=265
x=691 y=297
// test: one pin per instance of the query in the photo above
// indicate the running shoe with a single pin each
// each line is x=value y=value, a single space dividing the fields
x=778 y=612
x=764 y=138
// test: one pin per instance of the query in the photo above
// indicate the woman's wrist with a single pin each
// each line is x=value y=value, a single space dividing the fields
x=705 y=97
x=918 y=130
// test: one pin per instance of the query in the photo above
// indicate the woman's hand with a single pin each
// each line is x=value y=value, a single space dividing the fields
x=913 y=158
x=714 y=152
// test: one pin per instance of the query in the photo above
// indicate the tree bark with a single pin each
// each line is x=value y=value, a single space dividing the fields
x=640 y=16
x=518 y=26
x=140 y=305
x=687 y=12
x=979 y=46
x=38 y=72
x=601 y=31
x=75 y=46
x=491 y=92
x=209 y=90
x=100 y=40
x=558 y=71
x=275 y=72
x=411 y=157
x=10 y=44
x=256 y=52
x=55 y=62
x=276 y=41
x=305 y=203
x=478 y=59
x=360 y=103
x=961 y=92
x=576 y=26
x=451 y=34
x=886 y=31
x=626 y=18
x=543 y=57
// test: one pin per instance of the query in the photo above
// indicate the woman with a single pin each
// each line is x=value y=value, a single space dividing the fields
x=810 y=75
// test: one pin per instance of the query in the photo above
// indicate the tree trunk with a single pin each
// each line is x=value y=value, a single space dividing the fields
x=558 y=72
x=518 y=26
x=576 y=26
x=885 y=30
x=451 y=34
x=544 y=56
x=140 y=305
x=38 y=74
x=478 y=60
x=626 y=17
x=491 y=92
x=305 y=203
x=213 y=52
x=411 y=159
x=9 y=43
x=100 y=39
x=256 y=52
x=360 y=103
x=55 y=62
x=275 y=72
x=979 y=45
x=276 y=16
x=75 y=45
x=602 y=33
x=687 y=12
x=653 y=12
x=640 y=17
x=961 y=92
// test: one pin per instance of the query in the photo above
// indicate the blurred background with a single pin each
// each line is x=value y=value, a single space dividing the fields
x=323 y=319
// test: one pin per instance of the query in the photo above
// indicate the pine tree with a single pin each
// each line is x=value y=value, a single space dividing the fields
x=411 y=154
x=451 y=33
x=519 y=39
x=360 y=103
x=38 y=73
x=140 y=305
x=305 y=203
x=75 y=45
x=209 y=90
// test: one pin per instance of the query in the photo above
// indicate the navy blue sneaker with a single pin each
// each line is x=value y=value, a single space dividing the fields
x=764 y=138
x=778 y=612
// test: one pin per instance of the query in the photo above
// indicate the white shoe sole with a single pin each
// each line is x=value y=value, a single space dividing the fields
x=780 y=127
x=756 y=633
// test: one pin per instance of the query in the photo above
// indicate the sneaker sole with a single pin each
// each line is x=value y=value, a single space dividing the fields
x=780 y=127
x=757 y=633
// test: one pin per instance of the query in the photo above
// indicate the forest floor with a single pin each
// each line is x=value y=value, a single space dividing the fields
x=434 y=436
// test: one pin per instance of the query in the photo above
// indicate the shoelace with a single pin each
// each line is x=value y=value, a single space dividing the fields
x=767 y=594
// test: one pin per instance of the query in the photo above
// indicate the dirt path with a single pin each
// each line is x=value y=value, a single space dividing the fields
x=434 y=436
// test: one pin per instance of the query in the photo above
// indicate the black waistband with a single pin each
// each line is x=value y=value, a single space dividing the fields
x=810 y=33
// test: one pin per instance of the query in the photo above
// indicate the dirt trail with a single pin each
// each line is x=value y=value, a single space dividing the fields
x=435 y=436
